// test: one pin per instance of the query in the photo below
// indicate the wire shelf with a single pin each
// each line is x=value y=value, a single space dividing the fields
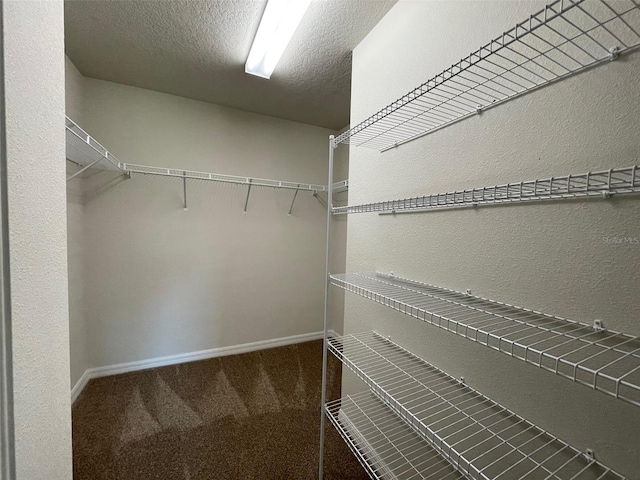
x=83 y=150
x=216 y=177
x=566 y=37
x=478 y=436
x=386 y=446
x=605 y=183
x=341 y=186
x=86 y=152
x=604 y=360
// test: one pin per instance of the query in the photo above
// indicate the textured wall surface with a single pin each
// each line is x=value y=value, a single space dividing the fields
x=74 y=85
x=34 y=87
x=161 y=281
x=552 y=257
x=338 y=240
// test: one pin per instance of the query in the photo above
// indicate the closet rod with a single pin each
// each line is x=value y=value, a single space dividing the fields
x=604 y=184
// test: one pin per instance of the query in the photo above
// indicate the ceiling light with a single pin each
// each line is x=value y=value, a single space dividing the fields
x=279 y=21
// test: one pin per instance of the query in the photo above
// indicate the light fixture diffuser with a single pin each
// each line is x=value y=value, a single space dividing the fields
x=278 y=24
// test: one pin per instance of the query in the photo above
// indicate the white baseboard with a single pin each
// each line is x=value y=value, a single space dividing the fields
x=80 y=384
x=189 y=357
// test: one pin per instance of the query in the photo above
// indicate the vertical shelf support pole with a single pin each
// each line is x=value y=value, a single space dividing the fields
x=246 y=201
x=294 y=200
x=184 y=189
x=325 y=343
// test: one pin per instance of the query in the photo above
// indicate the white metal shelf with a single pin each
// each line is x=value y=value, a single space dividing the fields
x=565 y=38
x=604 y=360
x=83 y=150
x=86 y=152
x=478 y=436
x=604 y=183
x=216 y=177
x=341 y=186
x=386 y=446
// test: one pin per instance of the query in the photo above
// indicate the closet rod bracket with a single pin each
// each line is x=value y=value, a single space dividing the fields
x=320 y=199
x=184 y=189
x=83 y=169
x=294 y=200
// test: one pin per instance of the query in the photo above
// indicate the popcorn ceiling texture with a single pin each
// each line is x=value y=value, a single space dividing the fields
x=197 y=49
x=553 y=257
x=34 y=87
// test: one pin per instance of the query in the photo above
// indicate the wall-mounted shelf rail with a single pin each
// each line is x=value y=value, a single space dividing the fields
x=385 y=445
x=605 y=183
x=604 y=360
x=216 y=177
x=478 y=436
x=565 y=38
x=83 y=150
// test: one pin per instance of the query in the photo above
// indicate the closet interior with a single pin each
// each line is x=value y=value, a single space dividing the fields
x=508 y=178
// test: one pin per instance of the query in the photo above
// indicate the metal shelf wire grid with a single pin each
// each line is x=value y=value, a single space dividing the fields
x=84 y=150
x=385 y=445
x=215 y=177
x=604 y=360
x=480 y=437
x=566 y=37
x=615 y=181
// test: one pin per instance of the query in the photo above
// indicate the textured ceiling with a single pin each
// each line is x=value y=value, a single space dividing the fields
x=197 y=49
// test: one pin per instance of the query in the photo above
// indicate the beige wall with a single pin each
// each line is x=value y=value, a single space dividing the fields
x=34 y=88
x=338 y=240
x=545 y=256
x=161 y=281
x=74 y=83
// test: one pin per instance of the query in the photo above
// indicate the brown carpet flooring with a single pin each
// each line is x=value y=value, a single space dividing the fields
x=248 y=416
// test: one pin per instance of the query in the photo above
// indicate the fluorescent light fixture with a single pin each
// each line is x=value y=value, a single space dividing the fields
x=279 y=22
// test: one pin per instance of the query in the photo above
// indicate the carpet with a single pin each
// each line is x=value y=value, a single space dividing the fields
x=249 y=416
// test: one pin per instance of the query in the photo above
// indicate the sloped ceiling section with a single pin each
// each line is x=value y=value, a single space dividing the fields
x=197 y=49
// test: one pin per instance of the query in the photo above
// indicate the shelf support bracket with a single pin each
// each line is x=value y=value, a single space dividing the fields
x=246 y=201
x=294 y=200
x=319 y=198
x=83 y=169
x=184 y=189
x=614 y=52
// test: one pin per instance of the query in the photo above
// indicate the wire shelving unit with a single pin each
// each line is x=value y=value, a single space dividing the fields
x=479 y=437
x=384 y=444
x=564 y=38
x=216 y=177
x=83 y=150
x=341 y=186
x=604 y=360
x=602 y=184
